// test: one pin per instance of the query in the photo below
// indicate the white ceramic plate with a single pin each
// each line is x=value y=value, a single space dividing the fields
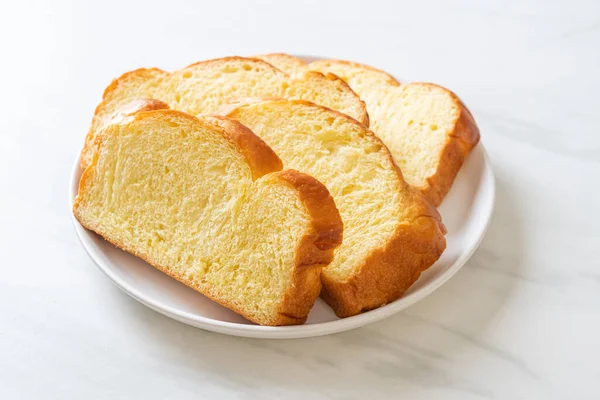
x=466 y=212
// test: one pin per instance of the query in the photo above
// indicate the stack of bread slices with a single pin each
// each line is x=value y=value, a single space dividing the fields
x=265 y=182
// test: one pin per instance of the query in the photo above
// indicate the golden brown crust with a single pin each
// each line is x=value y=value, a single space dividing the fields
x=128 y=110
x=229 y=110
x=136 y=106
x=314 y=249
x=299 y=64
x=459 y=144
x=389 y=78
x=364 y=115
x=234 y=58
x=97 y=122
x=327 y=223
x=300 y=297
x=388 y=271
x=142 y=74
x=260 y=156
x=294 y=64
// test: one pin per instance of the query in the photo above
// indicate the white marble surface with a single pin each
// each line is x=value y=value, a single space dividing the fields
x=521 y=319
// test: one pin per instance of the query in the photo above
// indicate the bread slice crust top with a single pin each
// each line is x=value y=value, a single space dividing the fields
x=427 y=128
x=391 y=233
x=191 y=197
x=202 y=87
x=289 y=64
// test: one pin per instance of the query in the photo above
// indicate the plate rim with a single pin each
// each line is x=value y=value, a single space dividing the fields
x=295 y=331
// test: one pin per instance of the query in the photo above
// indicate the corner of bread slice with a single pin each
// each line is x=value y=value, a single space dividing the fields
x=461 y=138
x=120 y=115
x=414 y=233
x=128 y=79
x=319 y=232
x=131 y=77
x=315 y=249
x=388 y=272
x=229 y=110
x=242 y=61
x=285 y=62
x=431 y=171
x=89 y=154
x=327 y=223
x=350 y=69
x=354 y=106
x=261 y=158
x=137 y=106
x=298 y=70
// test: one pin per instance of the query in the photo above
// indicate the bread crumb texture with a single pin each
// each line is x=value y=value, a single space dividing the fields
x=202 y=87
x=428 y=130
x=177 y=192
x=374 y=201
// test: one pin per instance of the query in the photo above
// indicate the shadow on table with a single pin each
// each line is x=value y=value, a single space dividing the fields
x=414 y=350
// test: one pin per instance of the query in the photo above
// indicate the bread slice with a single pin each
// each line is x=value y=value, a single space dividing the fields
x=289 y=64
x=391 y=233
x=202 y=87
x=427 y=128
x=205 y=201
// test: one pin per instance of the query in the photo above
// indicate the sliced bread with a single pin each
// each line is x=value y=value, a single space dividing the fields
x=427 y=128
x=391 y=233
x=204 y=201
x=289 y=64
x=202 y=87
